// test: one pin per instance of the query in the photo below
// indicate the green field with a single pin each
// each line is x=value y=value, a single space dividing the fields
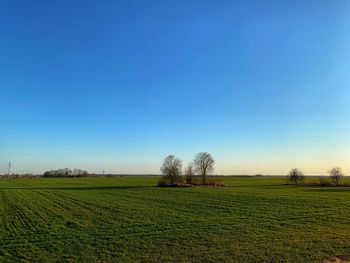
x=130 y=220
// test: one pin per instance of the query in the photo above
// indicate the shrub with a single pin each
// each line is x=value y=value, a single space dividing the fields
x=324 y=182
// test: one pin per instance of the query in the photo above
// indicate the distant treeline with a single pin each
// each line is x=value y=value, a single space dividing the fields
x=27 y=175
x=65 y=173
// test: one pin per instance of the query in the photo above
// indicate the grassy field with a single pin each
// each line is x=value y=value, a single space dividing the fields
x=130 y=220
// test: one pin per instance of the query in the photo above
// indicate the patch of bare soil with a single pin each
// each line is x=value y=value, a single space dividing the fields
x=335 y=260
x=209 y=184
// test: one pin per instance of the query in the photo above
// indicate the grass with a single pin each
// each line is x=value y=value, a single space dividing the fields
x=130 y=220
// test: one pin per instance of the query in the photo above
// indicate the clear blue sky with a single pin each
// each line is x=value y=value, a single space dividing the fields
x=116 y=85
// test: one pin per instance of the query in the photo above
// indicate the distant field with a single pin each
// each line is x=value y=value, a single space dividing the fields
x=129 y=220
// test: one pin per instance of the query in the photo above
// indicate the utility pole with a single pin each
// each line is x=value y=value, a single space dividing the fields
x=10 y=164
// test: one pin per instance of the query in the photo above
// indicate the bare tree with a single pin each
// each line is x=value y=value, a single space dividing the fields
x=171 y=169
x=203 y=165
x=189 y=173
x=336 y=174
x=295 y=176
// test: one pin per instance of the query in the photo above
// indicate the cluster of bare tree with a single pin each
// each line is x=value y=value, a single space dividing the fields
x=171 y=169
x=295 y=176
x=65 y=173
x=15 y=175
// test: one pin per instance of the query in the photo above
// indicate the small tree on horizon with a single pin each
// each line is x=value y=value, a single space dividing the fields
x=336 y=174
x=203 y=165
x=171 y=169
x=295 y=176
x=189 y=173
